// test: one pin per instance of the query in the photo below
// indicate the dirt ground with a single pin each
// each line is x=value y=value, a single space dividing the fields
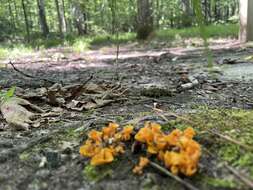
x=173 y=79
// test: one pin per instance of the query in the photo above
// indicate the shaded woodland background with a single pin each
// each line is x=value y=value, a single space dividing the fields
x=30 y=19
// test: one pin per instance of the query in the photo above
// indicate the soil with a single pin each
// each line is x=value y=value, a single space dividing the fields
x=48 y=157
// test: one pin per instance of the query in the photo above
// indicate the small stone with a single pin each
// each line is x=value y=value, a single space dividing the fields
x=187 y=86
x=43 y=162
x=42 y=173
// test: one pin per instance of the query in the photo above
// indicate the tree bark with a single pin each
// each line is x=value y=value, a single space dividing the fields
x=16 y=13
x=42 y=18
x=64 y=21
x=158 y=14
x=11 y=15
x=145 y=19
x=246 y=21
x=187 y=13
x=59 y=15
x=26 y=20
x=80 y=18
x=112 y=5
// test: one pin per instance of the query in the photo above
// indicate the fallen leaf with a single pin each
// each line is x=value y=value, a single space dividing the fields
x=15 y=112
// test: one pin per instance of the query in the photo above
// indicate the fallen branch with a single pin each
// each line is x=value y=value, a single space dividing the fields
x=225 y=137
x=240 y=176
x=245 y=179
x=28 y=75
x=79 y=90
x=168 y=173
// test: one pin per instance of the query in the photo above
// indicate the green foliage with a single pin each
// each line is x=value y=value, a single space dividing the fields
x=4 y=96
x=104 y=15
x=214 y=31
x=80 y=44
x=13 y=50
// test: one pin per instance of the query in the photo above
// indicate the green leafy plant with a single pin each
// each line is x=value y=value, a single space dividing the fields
x=4 y=96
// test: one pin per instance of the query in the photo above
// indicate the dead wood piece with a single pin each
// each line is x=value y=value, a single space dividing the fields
x=78 y=90
x=30 y=76
x=168 y=173
x=240 y=176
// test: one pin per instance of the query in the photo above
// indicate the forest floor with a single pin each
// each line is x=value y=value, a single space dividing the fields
x=175 y=80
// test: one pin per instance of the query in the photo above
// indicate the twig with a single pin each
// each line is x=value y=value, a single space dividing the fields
x=79 y=90
x=29 y=76
x=225 y=137
x=108 y=92
x=173 y=114
x=238 y=174
x=168 y=173
x=160 y=114
x=86 y=126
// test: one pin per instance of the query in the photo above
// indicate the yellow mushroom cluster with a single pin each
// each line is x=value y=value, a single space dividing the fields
x=177 y=150
x=103 y=146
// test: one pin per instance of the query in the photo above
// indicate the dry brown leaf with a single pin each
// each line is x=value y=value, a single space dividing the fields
x=87 y=105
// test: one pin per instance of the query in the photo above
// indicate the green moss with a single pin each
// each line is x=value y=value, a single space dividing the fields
x=95 y=174
x=71 y=134
x=222 y=119
x=229 y=153
x=222 y=183
x=236 y=124
x=245 y=160
x=175 y=124
x=25 y=156
x=119 y=119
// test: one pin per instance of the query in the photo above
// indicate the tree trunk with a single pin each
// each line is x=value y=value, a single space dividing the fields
x=80 y=18
x=112 y=5
x=206 y=10
x=59 y=15
x=26 y=20
x=42 y=17
x=187 y=13
x=246 y=20
x=145 y=19
x=16 y=13
x=64 y=21
x=11 y=15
